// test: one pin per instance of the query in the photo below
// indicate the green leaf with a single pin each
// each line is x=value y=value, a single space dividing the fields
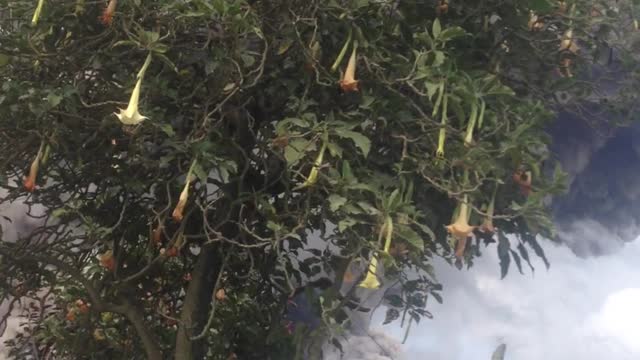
x=436 y=29
x=346 y=223
x=199 y=172
x=503 y=254
x=336 y=202
x=273 y=226
x=284 y=46
x=167 y=61
x=54 y=99
x=540 y=6
x=391 y=201
x=425 y=229
x=516 y=259
x=285 y=124
x=525 y=255
x=59 y=213
x=335 y=150
x=432 y=88
x=438 y=58
x=248 y=60
x=361 y=141
x=347 y=173
x=451 y=33
x=167 y=129
x=368 y=208
x=295 y=150
x=410 y=236
x=4 y=60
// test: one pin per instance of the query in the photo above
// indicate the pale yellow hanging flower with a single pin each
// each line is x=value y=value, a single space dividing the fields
x=535 y=24
x=461 y=229
x=313 y=174
x=388 y=230
x=567 y=43
x=348 y=83
x=36 y=14
x=371 y=280
x=131 y=115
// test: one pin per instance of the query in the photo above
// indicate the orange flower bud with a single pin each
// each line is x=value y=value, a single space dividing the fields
x=82 y=306
x=107 y=260
x=71 y=315
x=178 y=212
x=171 y=252
x=221 y=294
x=107 y=15
x=29 y=182
x=156 y=236
x=348 y=82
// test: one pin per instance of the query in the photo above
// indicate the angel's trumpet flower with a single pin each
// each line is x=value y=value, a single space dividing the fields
x=535 y=24
x=371 y=280
x=461 y=229
x=178 y=211
x=442 y=8
x=388 y=230
x=348 y=83
x=131 y=115
x=471 y=124
x=313 y=174
x=36 y=14
x=523 y=179
x=80 y=4
x=567 y=43
x=107 y=260
x=29 y=181
x=107 y=15
x=565 y=67
x=562 y=7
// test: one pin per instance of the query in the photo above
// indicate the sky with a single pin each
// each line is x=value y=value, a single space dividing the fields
x=581 y=308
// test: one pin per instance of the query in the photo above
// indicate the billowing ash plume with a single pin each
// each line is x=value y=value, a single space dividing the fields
x=601 y=210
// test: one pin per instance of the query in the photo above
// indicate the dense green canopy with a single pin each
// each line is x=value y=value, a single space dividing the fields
x=185 y=153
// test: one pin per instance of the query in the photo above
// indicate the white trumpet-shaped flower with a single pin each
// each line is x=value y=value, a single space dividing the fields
x=131 y=115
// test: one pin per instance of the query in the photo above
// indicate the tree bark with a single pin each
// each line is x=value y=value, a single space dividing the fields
x=197 y=304
x=134 y=315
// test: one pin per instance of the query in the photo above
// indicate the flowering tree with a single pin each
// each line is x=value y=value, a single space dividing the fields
x=185 y=158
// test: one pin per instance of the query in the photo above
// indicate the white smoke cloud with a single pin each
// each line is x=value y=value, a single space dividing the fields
x=378 y=345
x=582 y=308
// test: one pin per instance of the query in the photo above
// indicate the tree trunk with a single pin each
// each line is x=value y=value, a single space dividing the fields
x=197 y=304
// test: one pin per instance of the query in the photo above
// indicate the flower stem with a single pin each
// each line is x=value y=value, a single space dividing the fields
x=342 y=53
